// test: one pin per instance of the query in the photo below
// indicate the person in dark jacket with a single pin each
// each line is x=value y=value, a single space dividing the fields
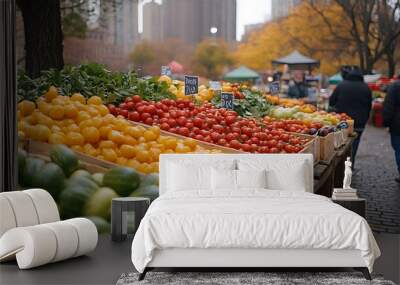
x=391 y=119
x=298 y=88
x=353 y=97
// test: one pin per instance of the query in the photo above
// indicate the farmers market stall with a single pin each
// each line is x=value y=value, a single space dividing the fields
x=88 y=135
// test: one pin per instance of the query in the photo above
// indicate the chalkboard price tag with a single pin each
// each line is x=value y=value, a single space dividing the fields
x=166 y=70
x=275 y=87
x=227 y=100
x=191 y=85
x=215 y=85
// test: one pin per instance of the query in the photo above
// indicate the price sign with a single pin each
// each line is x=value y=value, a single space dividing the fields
x=227 y=100
x=275 y=87
x=215 y=85
x=166 y=70
x=191 y=85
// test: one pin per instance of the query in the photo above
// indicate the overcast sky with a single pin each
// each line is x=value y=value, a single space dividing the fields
x=251 y=12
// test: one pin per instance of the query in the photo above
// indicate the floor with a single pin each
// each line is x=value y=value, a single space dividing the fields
x=106 y=264
x=374 y=180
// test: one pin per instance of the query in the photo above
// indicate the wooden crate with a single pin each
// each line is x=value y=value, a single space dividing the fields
x=327 y=147
x=311 y=147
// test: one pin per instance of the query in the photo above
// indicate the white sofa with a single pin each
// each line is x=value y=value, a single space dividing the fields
x=31 y=231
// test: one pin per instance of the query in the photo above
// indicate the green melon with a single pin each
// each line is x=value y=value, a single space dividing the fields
x=123 y=180
x=65 y=158
x=150 y=179
x=22 y=155
x=147 y=191
x=51 y=178
x=75 y=195
x=99 y=204
x=30 y=171
x=101 y=224
x=81 y=172
x=98 y=178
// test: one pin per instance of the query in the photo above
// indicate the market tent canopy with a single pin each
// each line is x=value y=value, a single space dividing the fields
x=296 y=58
x=241 y=73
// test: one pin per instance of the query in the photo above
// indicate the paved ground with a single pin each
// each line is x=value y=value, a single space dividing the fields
x=374 y=179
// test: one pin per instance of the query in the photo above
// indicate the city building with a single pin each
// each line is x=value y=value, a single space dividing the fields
x=282 y=8
x=189 y=20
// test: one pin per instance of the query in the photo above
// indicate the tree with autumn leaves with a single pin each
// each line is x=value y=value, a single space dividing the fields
x=338 y=32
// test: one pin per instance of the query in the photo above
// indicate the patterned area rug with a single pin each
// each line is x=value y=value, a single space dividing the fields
x=243 y=278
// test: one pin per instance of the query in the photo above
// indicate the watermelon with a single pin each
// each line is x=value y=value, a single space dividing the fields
x=75 y=195
x=147 y=191
x=22 y=155
x=51 y=178
x=99 y=204
x=81 y=172
x=101 y=224
x=123 y=180
x=150 y=179
x=65 y=158
x=98 y=178
x=31 y=169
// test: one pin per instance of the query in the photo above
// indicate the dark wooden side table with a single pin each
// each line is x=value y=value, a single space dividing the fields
x=126 y=214
x=358 y=206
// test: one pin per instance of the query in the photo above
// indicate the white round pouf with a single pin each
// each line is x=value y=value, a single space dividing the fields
x=23 y=208
x=87 y=234
x=6 y=215
x=46 y=207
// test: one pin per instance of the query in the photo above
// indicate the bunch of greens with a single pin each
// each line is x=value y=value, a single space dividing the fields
x=92 y=79
x=253 y=105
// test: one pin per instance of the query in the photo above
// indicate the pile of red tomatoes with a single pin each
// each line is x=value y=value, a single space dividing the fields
x=209 y=124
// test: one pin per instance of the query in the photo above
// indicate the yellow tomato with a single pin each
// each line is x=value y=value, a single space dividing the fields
x=149 y=136
x=129 y=140
x=43 y=107
x=41 y=133
x=143 y=156
x=135 y=132
x=66 y=122
x=82 y=115
x=90 y=150
x=190 y=143
x=97 y=121
x=170 y=143
x=166 y=79
x=91 y=134
x=56 y=112
x=104 y=130
x=107 y=144
x=55 y=129
x=44 y=120
x=93 y=111
x=51 y=94
x=154 y=153
x=94 y=100
x=109 y=119
x=57 y=138
x=70 y=111
x=77 y=148
x=74 y=138
x=156 y=130
x=181 y=148
x=121 y=161
x=154 y=167
x=26 y=107
x=73 y=128
x=109 y=154
x=78 y=97
x=133 y=163
x=127 y=151
x=116 y=137
x=103 y=110
x=144 y=168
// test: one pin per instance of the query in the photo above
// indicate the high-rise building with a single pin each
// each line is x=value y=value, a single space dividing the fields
x=282 y=8
x=189 y=20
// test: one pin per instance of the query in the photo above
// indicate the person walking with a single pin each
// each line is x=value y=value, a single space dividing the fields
x=298 y=88
x=353 y=97
x=391 y=119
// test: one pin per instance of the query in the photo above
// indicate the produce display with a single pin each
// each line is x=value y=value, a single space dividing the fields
x=78 y=192
x=87 y=126
x=208 y=123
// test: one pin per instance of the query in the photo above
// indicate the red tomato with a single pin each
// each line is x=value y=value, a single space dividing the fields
x=144 y=116
x=172 y=122
x=149 y=121
x=198 y=122
x=113 y=109
x=136 y=98
x=140 y=108
x=234 y=144
x=272 y=143
x=134 y=116
x=222 y=142
x=274 y=150
x=215 y=136
x=123 y=112
x=199 y=137
x=181 y=121
x=246 y=147
x=130 y=105
x=164 y=126
x=183 y=131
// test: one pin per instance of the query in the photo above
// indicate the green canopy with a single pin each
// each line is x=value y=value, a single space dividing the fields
x=241 y=73
x=335 y=79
